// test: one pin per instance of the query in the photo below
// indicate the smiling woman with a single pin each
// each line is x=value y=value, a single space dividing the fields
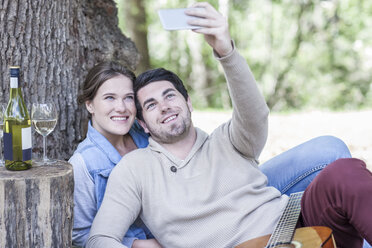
x=112 y=133
x=113 y=109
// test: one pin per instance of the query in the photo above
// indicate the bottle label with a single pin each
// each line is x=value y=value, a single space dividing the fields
x=13 y=82
x=26 y=138
x=26 y=145
x=8 y=146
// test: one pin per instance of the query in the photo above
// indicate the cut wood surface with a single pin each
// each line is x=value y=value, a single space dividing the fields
x=36 y=206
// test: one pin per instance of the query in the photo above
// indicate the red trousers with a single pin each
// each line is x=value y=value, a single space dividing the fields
x=340 y=197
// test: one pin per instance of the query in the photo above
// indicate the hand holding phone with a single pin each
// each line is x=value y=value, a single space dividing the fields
x=175 y=19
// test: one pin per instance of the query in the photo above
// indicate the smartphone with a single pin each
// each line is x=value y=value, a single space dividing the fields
x=175 y=19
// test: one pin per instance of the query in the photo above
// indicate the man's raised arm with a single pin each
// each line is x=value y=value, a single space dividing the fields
x=249 y=123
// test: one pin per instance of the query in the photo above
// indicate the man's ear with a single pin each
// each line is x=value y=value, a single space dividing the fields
x=189 y=104
x=144 y=126
x=88 y=105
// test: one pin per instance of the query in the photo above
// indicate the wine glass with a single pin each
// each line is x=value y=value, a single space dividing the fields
x=44 y=118
x=2 y=110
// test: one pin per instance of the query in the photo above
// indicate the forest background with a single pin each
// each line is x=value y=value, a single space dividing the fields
x=304 y=54
x=311 y=59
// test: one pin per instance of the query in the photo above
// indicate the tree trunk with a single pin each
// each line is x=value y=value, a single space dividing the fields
x=136 y=25
x=56 y=43
x=36 y=206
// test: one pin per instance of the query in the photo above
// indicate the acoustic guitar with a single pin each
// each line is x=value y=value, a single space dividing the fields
x=286 y=235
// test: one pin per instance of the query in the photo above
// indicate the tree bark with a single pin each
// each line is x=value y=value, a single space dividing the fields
x=36 y=206
x=56 y=43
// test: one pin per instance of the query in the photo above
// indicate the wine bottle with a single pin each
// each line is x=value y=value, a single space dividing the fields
x=17 y=128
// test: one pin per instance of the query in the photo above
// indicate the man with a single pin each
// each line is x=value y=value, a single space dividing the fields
x=197 y=190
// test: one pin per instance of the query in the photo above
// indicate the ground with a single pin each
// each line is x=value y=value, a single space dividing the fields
x=288 y=130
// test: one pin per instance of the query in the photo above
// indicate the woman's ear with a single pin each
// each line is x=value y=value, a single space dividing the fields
x=88 y=105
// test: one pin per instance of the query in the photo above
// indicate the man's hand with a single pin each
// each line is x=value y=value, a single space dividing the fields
x=148 y=243
x=213 y=25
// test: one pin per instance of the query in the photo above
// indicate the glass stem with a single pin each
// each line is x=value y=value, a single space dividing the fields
x=44 y=149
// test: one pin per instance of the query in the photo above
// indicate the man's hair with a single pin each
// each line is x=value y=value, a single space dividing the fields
x=159 y=74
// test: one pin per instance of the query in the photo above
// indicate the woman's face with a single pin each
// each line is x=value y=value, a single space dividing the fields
x=113 y=109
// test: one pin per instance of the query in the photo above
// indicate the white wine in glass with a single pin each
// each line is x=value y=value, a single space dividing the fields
x=44 y=118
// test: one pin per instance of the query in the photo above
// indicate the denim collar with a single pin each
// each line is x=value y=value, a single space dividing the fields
x=139 y=137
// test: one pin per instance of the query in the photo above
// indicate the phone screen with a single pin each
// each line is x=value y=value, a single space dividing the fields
x=175 y=19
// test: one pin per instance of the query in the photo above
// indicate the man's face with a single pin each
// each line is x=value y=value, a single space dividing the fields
x=166 y=113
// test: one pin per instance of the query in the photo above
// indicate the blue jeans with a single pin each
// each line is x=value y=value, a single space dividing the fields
x=293 y=170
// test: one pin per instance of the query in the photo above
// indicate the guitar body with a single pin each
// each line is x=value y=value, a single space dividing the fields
x=305 y=237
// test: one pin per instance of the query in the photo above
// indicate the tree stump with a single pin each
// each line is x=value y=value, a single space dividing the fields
x=36 y=206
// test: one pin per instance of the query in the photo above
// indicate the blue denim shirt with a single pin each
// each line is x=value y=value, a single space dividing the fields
x=93 y=161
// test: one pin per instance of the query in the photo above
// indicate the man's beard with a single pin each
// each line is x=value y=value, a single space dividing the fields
x=176 y=133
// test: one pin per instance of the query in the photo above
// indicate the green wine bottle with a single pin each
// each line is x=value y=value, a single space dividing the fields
x=17 y=128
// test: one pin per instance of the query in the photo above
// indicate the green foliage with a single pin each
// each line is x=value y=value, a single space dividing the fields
x=303 y=53
x=332 y=66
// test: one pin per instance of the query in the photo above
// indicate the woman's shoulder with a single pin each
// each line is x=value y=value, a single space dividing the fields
x=85 y=145
x=87 y=149
x=91 y=156
x=80 y=167
x=76 y=160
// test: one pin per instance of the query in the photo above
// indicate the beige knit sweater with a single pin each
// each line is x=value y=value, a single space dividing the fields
x=216 y=198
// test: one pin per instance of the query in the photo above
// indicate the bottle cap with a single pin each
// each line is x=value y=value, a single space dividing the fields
x=14 y=71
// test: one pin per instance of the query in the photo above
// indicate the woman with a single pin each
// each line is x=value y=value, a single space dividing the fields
x=112 y=133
